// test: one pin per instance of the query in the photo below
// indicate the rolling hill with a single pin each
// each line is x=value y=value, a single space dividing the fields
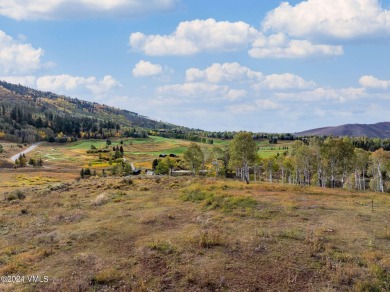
x=60 y=104
x=28 y=115
x=378 y=130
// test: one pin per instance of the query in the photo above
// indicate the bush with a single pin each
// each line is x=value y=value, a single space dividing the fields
x=106 y=277
x=162 y=167
x=10 y=197
x=195 y=196
x=214 y=201
x=127 y=181
x=100 y=200
x=165 y=247
x=20 y=194
x=58 y=186
x=210 y=238
x=15 y=196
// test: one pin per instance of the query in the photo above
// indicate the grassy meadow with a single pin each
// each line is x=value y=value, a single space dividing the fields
x=140 y=151
x=193 y=234
x=165 y=233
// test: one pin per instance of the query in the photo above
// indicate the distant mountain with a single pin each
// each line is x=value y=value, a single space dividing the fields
x=379 y=130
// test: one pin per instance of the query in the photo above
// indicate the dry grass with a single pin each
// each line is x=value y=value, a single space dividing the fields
x=191 y=234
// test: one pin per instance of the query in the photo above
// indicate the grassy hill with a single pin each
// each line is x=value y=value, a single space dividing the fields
x=379 y=130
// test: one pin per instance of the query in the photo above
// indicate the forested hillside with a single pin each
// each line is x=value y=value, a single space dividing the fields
x=28 y=115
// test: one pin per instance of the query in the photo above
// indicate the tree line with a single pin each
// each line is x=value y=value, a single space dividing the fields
x=327 y=163
x=23 y=123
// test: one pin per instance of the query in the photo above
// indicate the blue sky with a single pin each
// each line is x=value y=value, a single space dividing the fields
x=263 y=66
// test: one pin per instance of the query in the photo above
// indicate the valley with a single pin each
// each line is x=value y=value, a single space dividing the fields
x=192 y=233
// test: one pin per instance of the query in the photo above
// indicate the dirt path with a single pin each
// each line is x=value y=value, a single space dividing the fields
x=29 y=149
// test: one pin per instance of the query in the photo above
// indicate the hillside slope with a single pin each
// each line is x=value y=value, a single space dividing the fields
x=28 y=115
x=76 y=107
x=378 y=130
x=190 y=234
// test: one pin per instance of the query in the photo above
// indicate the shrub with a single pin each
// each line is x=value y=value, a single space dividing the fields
x=59 y=186
x=100 y=200
x=215 y=201
x=15 y=195
x=106 y=276
x=10 y=197
x=164 y=247
x=195 y=196
x=210 y=238
x=20 y=195
x=127 y=181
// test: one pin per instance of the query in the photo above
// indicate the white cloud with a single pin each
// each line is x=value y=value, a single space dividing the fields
x=145 y=68
x=278 y=46
x=373 y=82
x=29 y=81
x=234 y=72
x=284 y=82
x=340 y=19
x=201 y=90
x=191 y=37
x=103 y=86
x=226 y=72
x=53 y=9
x=341 y=95
x=66 y=84
x=16 y=57
x=257 y=105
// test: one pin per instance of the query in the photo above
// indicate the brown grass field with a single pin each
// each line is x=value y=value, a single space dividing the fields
x=184 y=233
x=193 y=234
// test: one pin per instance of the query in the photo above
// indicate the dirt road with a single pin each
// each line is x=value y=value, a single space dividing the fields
x=29 y=149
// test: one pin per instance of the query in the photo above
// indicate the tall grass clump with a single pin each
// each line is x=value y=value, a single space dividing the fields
x=213 y=201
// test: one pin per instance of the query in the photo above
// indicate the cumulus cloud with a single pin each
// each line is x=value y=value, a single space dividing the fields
x=67 y=84
x=341 y=95
x=101 y=87
x=226 y=72
x=54 y=9
x=235 y=72
x=369 y=81
x=17 y=57
x=191 y=37
x=200 y=90
x=62 y=82
x=257 y=105
x=279 y=46
x=29 y=81
x=284 y=82
x=145 y=68
x=340 y=19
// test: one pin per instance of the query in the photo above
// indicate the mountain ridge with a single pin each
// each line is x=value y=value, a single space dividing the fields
x=377 y=130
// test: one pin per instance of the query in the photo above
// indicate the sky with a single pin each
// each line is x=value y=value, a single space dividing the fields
x=261 y=66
